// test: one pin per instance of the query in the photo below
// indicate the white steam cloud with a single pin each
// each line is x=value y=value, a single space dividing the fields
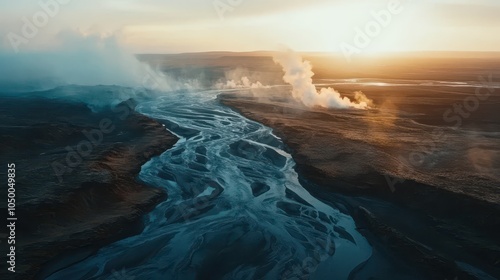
x=240 y=78
x=244 y=82
x=78 y=59
x=298 y=73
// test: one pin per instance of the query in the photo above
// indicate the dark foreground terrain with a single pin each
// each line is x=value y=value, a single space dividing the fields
x=75 y=178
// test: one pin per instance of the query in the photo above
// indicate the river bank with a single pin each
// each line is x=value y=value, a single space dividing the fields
x=76 y=186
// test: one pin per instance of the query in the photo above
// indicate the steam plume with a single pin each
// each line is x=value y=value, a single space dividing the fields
x=91 y=60
x=240 y=78
x=85 y=60
x=244 y=82
x=298 y=73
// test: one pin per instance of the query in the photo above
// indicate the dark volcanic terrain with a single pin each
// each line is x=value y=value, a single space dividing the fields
x=425 y=189
x=95 y=199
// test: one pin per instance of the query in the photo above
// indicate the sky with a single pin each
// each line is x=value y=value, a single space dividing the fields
x=174 y=26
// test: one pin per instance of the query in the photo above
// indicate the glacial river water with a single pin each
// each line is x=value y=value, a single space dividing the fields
x=235 y=210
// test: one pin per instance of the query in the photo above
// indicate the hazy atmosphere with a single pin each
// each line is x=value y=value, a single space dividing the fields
x=168 y=26
x=250 y=139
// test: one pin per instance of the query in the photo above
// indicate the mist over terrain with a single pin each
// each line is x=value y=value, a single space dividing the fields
x=82 y=60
